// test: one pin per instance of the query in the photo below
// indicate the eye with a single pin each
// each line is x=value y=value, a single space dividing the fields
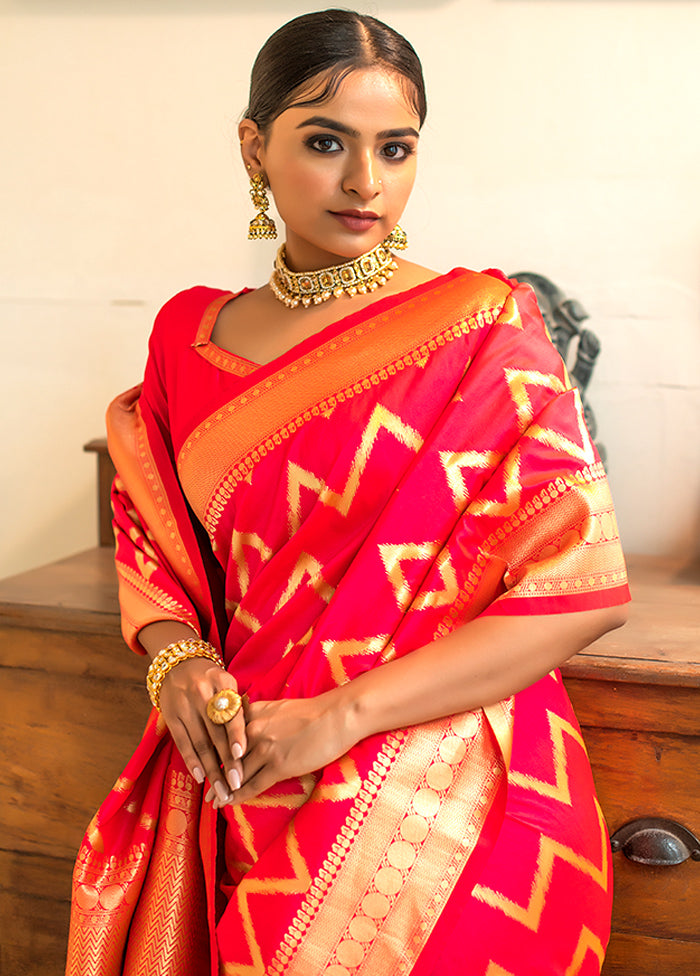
x=324 y=144
x=397 y=150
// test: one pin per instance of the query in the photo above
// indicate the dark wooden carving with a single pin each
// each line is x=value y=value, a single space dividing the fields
x=563 y=317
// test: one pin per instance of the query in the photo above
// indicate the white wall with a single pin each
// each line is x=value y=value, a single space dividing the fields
x=562 y=137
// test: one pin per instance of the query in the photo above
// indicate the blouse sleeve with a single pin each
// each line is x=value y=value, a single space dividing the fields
x=164 y=563
x=545 y=513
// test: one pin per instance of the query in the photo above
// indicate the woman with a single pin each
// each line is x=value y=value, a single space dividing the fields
x=363 y=497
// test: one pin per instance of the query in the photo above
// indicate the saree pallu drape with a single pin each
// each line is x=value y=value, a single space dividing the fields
x=409 y=468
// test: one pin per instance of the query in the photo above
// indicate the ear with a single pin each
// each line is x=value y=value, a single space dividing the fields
x=252 y=146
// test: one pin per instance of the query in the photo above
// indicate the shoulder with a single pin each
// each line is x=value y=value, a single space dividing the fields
x=514 y=300
x=481 y=295
x=183 y=312
x=175 y=330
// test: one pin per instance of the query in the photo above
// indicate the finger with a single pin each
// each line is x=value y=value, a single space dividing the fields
x=254 y=786
x=207 y=752
x=226 y=740
x=190 y=757
x=237 y=743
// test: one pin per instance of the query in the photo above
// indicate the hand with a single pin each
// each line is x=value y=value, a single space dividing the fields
x=204 y=746
x=289 y=738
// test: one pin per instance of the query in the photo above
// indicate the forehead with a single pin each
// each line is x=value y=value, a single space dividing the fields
x=368 y=93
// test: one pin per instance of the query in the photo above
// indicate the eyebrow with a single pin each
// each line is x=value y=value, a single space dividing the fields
x=325 y=123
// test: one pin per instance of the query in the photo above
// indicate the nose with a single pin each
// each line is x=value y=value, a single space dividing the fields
x=362 y=176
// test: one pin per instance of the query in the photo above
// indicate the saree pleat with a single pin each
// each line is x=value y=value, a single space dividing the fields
x=382 y=483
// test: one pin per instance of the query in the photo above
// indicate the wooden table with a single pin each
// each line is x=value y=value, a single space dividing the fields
x=636 y=692
x=73 y=706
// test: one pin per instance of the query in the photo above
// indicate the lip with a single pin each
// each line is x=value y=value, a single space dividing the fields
x=357 y=220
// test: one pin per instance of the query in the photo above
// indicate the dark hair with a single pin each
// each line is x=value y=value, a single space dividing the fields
x=332 y=43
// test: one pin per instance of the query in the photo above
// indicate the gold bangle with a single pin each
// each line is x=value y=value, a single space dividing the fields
x=172 y=655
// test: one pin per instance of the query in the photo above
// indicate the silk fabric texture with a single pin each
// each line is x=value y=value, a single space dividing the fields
x=410 y=467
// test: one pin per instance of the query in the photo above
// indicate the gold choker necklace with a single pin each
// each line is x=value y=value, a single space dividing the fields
x=363 y=274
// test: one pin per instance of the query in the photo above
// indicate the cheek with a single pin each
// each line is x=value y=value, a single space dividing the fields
x=400 y=188
x=297 y=187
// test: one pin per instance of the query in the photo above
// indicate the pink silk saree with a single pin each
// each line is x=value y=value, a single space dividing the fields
x=405 y=470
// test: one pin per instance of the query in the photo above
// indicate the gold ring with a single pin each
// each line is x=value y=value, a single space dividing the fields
x=223 y=706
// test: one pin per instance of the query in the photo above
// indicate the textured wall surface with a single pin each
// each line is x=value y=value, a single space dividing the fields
x=562 y=138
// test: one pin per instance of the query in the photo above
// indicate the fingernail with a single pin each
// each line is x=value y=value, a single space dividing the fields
x=234 y=779
x=221 y=791
x=198 y=774
x=237 y=751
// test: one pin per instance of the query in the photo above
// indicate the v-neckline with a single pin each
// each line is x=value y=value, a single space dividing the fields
x=233 y=362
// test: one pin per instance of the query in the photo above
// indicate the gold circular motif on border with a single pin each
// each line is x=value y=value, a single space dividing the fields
x=388 y=881
x=176 y=823
x=591 y=529
x=401 y=855
x=426 y=803
x=415 y=828
x=452 y=750
x=375 y=905
x=350 y=953
x=607 y=526
x=112 y=897
x=466 y=725
x=570 y=539
x=439 y=776
x=86 y=896
x=362 y=928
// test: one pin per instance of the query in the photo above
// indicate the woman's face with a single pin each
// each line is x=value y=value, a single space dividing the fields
x=342 y=171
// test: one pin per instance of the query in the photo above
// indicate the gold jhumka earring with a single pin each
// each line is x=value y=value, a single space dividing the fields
x=261 y=226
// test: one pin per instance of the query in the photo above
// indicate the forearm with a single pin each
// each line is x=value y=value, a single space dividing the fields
x=154 y=637
x=481 y=663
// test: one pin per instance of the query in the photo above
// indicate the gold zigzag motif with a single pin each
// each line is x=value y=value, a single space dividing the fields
x=291 y=801
x=530 y=914
x=253 y=540
x=308 y=567
x=96 y=946
x=454 y=463
x=510 y=314
x=346 y=789
x=559 y=789
x=298 y=477
x=450 y=591
x=586 y=941
x=518 y=380
x=245 y=831
x=247 y=619
x=336 y=651
x=393 y=554
x=496 y=970
x=296 y=883
x=513 y=491
x=582 y=452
